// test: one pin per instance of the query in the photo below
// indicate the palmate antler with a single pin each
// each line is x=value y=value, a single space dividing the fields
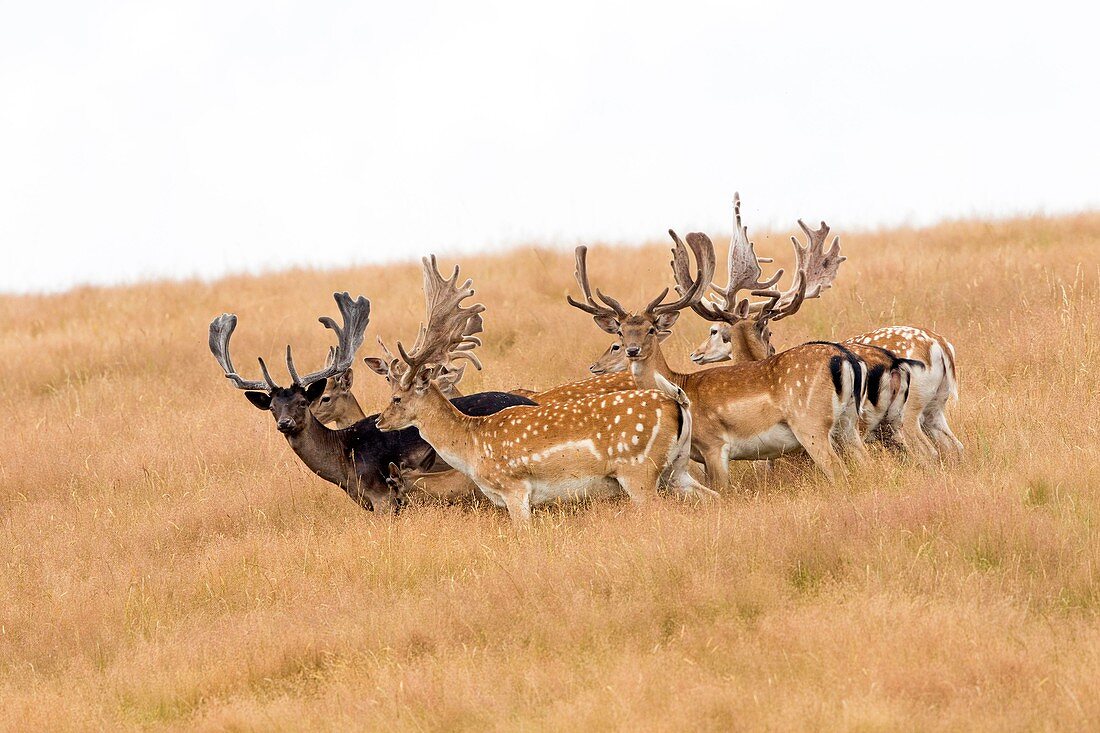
x=450 y=329
x=815 y=270
x=355 y=315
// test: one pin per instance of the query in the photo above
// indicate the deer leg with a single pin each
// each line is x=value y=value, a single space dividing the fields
x=850 y=438
x=517 y=499
x=816 y=442
x=911 y=433
x=716 y=463
x=639 y=481
x=936 y=425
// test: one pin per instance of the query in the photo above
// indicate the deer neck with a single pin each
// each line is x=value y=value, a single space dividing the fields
x=645 y=369
x=751 y=346
x=322 y=451
x=445 y=428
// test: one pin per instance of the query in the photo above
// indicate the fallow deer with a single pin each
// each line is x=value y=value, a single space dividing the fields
x=355 y=458
x=803 y=398
x=911 y=371
x=931 y=385
x=337 y=406
x=525 y=456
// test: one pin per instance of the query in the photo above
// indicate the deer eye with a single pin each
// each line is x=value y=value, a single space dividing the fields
x=326 y=398
x=652 y=330
x=714 y=331
x=396 y=400
x=614 y=347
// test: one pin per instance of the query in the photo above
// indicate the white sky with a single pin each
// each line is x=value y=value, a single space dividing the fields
x=173 y=139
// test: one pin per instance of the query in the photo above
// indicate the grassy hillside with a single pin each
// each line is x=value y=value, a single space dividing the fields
x=169 y=563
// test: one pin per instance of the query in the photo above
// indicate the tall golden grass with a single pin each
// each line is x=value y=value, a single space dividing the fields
x=169 y=563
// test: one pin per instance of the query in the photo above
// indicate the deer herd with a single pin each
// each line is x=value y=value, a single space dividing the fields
x=637 y=425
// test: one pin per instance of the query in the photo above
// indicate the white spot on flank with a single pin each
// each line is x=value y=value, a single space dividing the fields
x=639 y=427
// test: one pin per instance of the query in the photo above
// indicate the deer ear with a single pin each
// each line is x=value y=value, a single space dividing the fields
x=315 y=390
x=665 y=321
x=261 y=400
x=377 y=366
x=607 y=323
x=395 y=472
x=345 y=378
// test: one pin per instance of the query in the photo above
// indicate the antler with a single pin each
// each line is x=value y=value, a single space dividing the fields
x=816 y=269
x=356 y=316
x=743 y=273
x=819 y=267
x=451 y=327
x=694 y=290
x=612 y=309
x=221 y=330
x=691 y=289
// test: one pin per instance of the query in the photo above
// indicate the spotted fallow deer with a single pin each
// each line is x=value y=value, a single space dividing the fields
x=911 y=371
x=355 y=458
x=931 y=384
x=521 y=457
x=804 y=398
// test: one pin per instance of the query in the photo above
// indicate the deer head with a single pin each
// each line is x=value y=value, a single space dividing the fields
x=640 y=332
x=741 y=328
x=290 y=405
x=337 y=404
x=613 y=359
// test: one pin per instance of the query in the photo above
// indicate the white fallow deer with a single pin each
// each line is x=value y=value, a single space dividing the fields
x=911 y=371
x=521 y=457
x=804 y=398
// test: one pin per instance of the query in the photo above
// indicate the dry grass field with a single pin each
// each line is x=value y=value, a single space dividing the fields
x=168 y=563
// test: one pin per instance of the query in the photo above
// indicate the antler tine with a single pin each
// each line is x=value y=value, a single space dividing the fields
x=221 y=330
x=385 y=349
x=290 y=367
x=355 y=315
x=613 y=308
x=267 y=375
x=692 y=293
x=780 y=305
